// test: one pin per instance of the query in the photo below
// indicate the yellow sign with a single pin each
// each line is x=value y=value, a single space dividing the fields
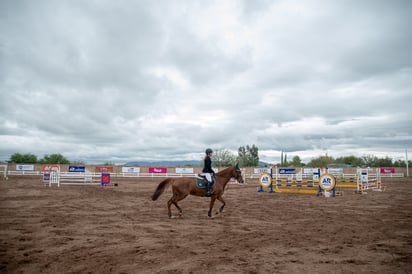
x=327 y=182
x=265 y=179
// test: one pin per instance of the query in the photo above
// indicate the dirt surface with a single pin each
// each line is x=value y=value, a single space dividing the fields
x=93 y=229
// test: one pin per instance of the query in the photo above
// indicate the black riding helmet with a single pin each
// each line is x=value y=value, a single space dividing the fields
x=209 y=150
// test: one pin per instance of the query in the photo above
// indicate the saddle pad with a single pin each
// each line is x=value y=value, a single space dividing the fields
x=200 y=182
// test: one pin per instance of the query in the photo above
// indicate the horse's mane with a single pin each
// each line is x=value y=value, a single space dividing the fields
x=224 y=170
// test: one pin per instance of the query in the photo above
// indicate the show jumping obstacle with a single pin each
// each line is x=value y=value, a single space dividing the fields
x=321 y=184
x=4 y=169
x=52 y=175
x=366 y=181
x=288 y=182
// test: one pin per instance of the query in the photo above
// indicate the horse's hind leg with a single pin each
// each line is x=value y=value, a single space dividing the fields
x=175 y=198
x=222 y=206
x=179 y=198
x=169 y=211
x=212 y=202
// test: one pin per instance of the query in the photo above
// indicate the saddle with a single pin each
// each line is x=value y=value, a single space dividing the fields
x=201 y=181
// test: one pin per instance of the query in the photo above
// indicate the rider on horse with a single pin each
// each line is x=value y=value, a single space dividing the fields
x=208 y=171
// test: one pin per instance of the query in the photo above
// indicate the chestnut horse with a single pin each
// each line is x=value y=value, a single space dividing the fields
x=181 y=187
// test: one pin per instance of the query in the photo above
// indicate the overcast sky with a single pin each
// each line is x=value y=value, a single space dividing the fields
x=119 y=81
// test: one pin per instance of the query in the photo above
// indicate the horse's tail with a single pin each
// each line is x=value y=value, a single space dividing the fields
x=160 y=188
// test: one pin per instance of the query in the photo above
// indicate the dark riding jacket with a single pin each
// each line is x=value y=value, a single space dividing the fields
x=207 y=168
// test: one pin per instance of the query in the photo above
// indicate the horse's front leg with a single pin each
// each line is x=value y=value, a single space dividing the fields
x=212 y=202
x=222 y=206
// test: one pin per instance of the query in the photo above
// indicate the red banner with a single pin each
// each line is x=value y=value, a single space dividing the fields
x=157 y=169
x=104 y=169
x=50 y=168
x=386 y=170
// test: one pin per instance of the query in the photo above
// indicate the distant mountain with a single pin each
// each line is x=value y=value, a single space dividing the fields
x=265 y=164
x=181 y=163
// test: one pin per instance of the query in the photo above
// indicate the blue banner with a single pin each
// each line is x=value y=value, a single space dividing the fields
x=77 y=168
x=286 y=171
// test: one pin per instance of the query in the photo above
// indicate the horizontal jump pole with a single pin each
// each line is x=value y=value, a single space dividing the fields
x=79 y=183
x=354 y=185
x=296 y=186
x=297 y=190
x=78 y=179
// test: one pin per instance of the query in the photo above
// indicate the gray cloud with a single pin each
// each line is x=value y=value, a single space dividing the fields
x=108 y=81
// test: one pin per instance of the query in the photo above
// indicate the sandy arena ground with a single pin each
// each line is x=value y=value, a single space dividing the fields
x=93 y=229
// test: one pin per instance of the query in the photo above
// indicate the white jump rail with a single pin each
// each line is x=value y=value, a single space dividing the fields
x=80 y=178
x=3 y=168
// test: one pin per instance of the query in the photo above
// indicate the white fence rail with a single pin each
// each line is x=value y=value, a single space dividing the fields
x=76 y=175
x=163 y=175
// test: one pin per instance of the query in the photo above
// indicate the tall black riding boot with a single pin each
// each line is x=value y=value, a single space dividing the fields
x=208 y=188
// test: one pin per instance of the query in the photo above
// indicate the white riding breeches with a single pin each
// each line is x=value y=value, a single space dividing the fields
x=208 y=177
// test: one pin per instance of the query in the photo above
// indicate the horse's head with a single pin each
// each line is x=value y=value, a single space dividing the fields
x=238 y=174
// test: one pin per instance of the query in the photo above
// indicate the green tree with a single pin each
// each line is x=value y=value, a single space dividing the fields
x=297 y=162
x=242 y=156
x=54 y=159
x=19 y=158
x=253 y=155
x=321 y=161
x=281 y=158
x=370 y=160
x=248 y=156
x=350 y=160
x=384 y=162
x=223 y=158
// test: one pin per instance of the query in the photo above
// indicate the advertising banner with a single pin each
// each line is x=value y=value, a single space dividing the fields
x=387 y=170
x=105 y=180
x=261 y=170
x=310 y=171
x=286 y=171
x=104 y=169
x=184 y=170
x=335 y=171
x=25 y=167
x=127 y=169
x=157 y=169
x=48 y=168
x=77 y=169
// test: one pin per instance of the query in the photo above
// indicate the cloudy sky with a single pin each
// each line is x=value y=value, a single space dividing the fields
x=125 y=80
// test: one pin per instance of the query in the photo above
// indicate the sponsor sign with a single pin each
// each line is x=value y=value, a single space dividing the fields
x=311 y=171
x=24 y=167
x=46 y=177
x=336 y=171
x=77 y=169
x=49 y=168
x=105 y=180
x=286 y=171
x=386 y=170
x=265 y=180
x=364 y=177
x=104 y=168
x=185 y=170
x=327 y=182
x=157 y=169
x=261 y=170
x=131 y=169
